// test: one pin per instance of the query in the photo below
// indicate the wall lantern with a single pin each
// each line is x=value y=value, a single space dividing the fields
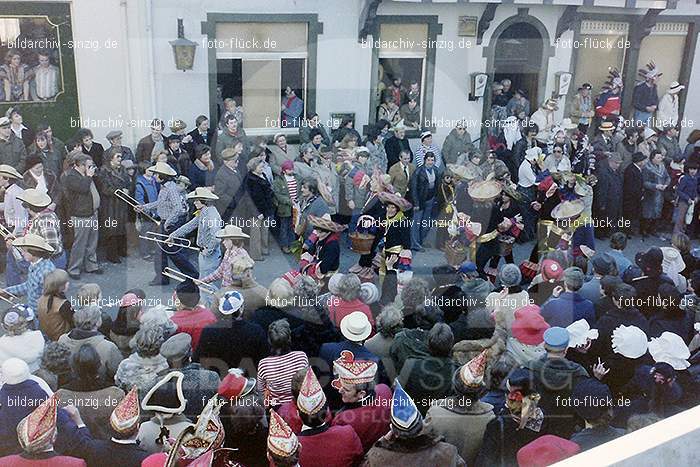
x=562 y=83
x=477 y=85
x=183 y=49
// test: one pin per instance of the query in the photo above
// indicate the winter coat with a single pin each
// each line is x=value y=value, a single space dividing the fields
x=13 y=152
x=139 y=371
x=667 y=111
x=568 y=308
x=114 y=213
x=96 y=414
x=215 y=347
x=653 y=199
x=678 y=322
x=110 y=356
x=428 y=378
x=607 y=198
x=614 y=318
x=260 y=192
x=230 y=188
x=463 y=427
x=370 y=419
x=632 y=192
x=315 y=207
x=420 y=189
x=279 y=156
x=393 y=147
x=198 y=386
x=419 y=451
x=455 y=145
x=200 y=176
x=329 y=446
x=355 y=193
x=647 y=287
x=305 y=134
x=76 y=188
x=55 y=157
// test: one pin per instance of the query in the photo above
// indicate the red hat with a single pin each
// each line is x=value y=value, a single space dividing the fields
x=129 y=299
x=546 y=450
x=287 y=165
x=235 y=385
x=546 y=183
x=125 y=416
x=551 y=270
x=529 y=325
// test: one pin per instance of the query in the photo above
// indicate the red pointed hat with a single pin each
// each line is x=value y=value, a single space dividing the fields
x=235 y=385
x=472 y=373
x=353 y=371
x=529 y=325
x=311 y=397
x=125 y=416
x=36 y=431
x=281 y=440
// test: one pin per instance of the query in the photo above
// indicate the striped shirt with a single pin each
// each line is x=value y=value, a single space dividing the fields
x=292 y=187
x=223 y=272
x=275 y=376
x=419 y=155
x=33 y=287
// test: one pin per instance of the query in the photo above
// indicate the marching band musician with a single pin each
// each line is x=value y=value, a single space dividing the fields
x=36 y=251
x=322 y=256
x=173 y=212
x=207 y=222
x=232 y=238
x=15 y=217
x=44 y=222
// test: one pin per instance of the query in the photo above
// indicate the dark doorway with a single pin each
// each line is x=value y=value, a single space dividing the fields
x=518 y=56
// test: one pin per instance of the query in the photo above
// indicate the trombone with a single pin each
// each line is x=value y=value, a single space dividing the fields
x=124 y=196
x=171 y=242
x=6 y=296
x=181 y=277
x=6 y=234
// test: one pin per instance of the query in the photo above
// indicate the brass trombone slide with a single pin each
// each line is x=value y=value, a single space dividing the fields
x=6 y=234
x=124 y=196
x=181 y=277
x=12 y=300
x=175 y=242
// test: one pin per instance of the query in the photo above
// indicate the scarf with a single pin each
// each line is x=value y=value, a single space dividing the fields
x=511 y=132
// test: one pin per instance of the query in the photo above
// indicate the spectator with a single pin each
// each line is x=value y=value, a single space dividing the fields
x=54 y=311
x=567 y=304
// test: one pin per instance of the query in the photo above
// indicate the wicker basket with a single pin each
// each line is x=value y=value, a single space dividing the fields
x=361 y=243
x=455 y=254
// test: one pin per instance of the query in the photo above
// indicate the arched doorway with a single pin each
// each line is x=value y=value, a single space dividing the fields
x=518 y=57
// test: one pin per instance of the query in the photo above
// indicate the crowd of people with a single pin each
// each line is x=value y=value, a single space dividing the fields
x=487 y=362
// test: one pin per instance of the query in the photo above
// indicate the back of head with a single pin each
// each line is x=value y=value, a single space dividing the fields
x=440 y=340
x=624 y=295
x=348 y=287
x=414 y=294
x=618 y=241
x=280 y=335
x=55 y=282
x=86 y=362
x=148 y=340
x=88 y=318
x=390 y=321
x=573 y=279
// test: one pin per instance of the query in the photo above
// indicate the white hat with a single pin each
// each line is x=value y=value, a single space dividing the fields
x=356 y=327
x=648 y=133
x=14 y=371
x=231 y=302
x=670 y=348
x=231 y=231
x=33 y=241
x=629 y=341
x=673 y=262
x=533 y=153
x=675 y=87
x=4 y=121
x=8 y=171
x=163 y=169
x=34 y=197
x=202 y=193
x=567 y=124
x=369 y=293
x=579 y=332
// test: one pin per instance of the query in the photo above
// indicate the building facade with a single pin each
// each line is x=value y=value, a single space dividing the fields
x=118 y=69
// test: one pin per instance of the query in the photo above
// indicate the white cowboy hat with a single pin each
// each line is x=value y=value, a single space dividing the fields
x=8 y=171
x=202 y=193
x=231 y=231
x=675 y=87
x=35 y=197
x=33 y=241
x=356 y=327
x=163 y=169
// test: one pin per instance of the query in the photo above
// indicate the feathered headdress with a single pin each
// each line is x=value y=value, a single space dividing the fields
x=614 y=80
x=651 y=71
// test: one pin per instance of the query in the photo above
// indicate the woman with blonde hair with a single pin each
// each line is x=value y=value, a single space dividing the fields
x=53 y=309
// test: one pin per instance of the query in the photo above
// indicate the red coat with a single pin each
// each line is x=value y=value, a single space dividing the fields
x=330 y=446
x=193 y=322
x=290 y=414
x=369 y=420
x=339 y=309
x=16 y=460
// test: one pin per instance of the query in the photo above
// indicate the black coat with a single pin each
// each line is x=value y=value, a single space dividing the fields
x=128 y=455
x=607 y=198
x=681 y=323
x=647 y=288
x=198 y=139
x=421 y=188
x=76 y=189
x=393 y=146
x=260 y=191
x=632 y=190
x=114 y=213
x=96 y=152
x=231 y=343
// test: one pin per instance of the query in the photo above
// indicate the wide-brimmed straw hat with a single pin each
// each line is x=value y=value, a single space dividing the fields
x=163 y=169
x=606 y=126
x=33 y=241
x=484 y=191
x=325 y=223
x=675 y=87
x=35 y=198
x=202 y=193
x=395 y=199
x=8 y=171
x=231 y=231
x=568 y=209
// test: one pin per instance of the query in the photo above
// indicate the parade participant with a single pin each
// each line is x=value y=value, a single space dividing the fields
x=207 y=222
x=37 y=434
x=446 y=199
x=609 y=102
x=424 y=187
x=528 y=171
x=173 y=213
x=43 y=222
x=167 y=403
x=645 y=97
x=507 y=221
x=462 y=418
x=323 y=443
x=232 y=238
x=282 y=444
x=321 y=258
x=366 y=405
x=37 y=252
x=410 y=440
x=397 y=240
x=547 y=199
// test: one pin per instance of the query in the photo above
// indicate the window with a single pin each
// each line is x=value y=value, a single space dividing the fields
x=257 y=63
x=665 y=46
x=602 y=44
x=401 y=73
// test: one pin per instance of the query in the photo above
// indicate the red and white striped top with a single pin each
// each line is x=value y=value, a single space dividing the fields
x=292 y=187
x=275 y=376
